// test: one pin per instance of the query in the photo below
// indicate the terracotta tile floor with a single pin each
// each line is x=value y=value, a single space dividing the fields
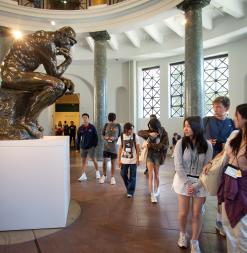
x=112 y=223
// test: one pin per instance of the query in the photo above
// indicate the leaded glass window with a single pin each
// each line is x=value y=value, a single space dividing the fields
x=151 y=91
x=177 y=89
x=215 y=79
x=216 y=75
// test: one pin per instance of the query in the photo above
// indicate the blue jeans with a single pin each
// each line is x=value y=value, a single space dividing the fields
x=130 y=182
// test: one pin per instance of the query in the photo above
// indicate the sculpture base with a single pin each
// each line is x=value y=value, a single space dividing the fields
x=34 y=183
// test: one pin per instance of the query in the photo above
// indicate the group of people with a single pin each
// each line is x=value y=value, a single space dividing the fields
x=202 y=141
x=67 y=130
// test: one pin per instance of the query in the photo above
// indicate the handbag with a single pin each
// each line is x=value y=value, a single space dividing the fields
x=211 y=180
x=144 y=153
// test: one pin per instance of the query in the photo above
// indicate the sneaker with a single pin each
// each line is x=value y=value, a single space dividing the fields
x=129 y=195
x=194 y=245
x=83 y=177
x=219 y=228
x=113 y=180
x=182 y=240
x=157 y=193
x=153 y=198
x=97 y=175
x=102 y=179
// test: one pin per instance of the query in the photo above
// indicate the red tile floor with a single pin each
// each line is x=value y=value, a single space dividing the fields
x=112 y=223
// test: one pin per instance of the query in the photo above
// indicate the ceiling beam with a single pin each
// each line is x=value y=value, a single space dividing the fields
x=234 y=8
x=134 y=38
x=113 y=42
x=154 y=33
x=90 y=42
x=176 y=26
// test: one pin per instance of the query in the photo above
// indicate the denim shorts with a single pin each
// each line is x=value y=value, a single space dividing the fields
x=90 y=151
x=154 y=157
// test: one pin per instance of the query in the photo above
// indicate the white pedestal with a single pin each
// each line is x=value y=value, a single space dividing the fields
x=34 y=183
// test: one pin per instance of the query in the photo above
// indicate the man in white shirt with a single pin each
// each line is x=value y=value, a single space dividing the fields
x=128 y=157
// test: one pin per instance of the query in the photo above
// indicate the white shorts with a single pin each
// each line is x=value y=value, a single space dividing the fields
x=180 y=188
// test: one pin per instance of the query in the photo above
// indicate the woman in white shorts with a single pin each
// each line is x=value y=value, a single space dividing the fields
x=191 y=154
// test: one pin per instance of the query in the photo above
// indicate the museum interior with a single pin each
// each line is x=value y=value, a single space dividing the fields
x=133 y=58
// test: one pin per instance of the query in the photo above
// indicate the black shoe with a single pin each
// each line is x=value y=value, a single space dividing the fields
x=146 y=172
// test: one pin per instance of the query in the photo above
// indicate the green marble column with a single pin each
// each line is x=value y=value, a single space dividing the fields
x=100 y=95
x=194 y=84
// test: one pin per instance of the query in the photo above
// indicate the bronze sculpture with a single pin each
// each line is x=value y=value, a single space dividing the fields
x=24 y=94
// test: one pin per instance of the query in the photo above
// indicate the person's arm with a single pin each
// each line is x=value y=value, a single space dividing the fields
x=137 y=154
x=144 y=134
x=48 y=54
x=95 y=138
x=120 y=149
x=178 y=161
x=78 y=140
x=164 y=143
x=207 y=160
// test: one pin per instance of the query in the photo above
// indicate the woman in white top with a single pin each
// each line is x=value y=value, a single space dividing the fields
x=191 y=153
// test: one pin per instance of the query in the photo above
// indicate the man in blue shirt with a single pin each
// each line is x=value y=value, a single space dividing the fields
x=87 y=140
x=217 y=129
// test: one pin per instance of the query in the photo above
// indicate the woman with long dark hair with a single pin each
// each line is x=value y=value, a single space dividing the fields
x=191 y=154
x=233 y=189
x=157 y=144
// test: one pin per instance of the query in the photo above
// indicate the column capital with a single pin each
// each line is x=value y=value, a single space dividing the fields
x=100 y=35
x=4 y=31
x=193 y=4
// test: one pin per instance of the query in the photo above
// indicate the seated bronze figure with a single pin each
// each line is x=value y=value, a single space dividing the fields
x=24 y=94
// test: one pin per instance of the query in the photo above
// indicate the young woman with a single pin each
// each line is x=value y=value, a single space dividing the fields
x=157 y=144
x=191 y=154
x=233 y=190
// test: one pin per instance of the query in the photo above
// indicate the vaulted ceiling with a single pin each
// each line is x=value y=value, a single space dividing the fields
x=139 y=29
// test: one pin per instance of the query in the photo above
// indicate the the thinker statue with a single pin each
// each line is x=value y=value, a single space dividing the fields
x=24 y=94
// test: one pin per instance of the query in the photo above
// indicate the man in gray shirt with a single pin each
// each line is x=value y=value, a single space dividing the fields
x=110 y=133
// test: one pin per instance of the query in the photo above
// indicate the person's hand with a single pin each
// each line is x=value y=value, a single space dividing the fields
x=63 y=51
x=213 y=141
x=119 y=164
x=69 y=85
x=153 y=134
x=190 y=189
x=206 y=168
x=137 y=162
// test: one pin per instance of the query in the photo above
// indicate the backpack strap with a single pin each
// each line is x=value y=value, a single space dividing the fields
x=134 y=140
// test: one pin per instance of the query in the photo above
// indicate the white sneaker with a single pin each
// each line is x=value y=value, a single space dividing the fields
x=182 y=240
x=113 y=180
x=83 y=177
x=194 y=245
x=157 y=193
x=102 y=179
x=153 y=198
x=97 y=174
x=129 y=195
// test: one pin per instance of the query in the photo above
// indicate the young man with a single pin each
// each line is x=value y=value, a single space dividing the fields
x=128 y=157
x=110 y=133
x=87 y=140
x=65 y=128
x=72 y=133
x=217 y=129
